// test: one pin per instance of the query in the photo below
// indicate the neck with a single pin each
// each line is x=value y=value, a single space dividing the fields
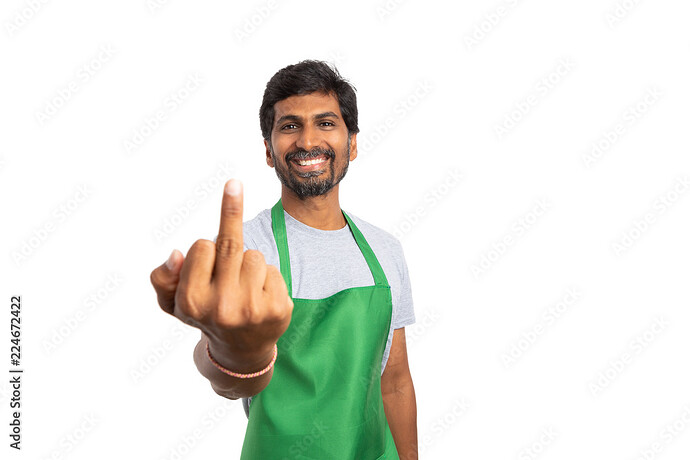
x=320 y=212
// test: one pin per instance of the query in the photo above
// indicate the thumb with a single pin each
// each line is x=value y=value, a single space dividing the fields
x=165 y=279
x=173 y=264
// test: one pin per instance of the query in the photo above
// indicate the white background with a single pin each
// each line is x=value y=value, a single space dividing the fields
x=532 y=156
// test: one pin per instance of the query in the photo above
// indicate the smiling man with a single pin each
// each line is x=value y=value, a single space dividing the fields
x=303 y=308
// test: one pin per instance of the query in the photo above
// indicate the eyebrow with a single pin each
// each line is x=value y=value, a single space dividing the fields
x=318 y=116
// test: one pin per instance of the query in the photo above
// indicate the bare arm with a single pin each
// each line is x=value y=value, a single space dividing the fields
x=399 y=400
x=239 y=302
x=227 y=385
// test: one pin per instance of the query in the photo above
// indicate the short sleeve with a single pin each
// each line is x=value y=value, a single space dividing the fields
x=404 y=313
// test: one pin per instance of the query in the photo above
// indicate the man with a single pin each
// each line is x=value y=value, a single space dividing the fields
x=334 y=310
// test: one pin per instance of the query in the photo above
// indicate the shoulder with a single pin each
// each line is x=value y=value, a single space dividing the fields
x=389 y=253
x=382 y=237
x=384 y=244
x=258 y=229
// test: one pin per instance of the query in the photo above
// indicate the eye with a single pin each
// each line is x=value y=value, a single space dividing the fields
x=288 y=126
x=327 y=123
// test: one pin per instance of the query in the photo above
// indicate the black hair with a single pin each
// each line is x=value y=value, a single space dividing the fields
x=303 y=78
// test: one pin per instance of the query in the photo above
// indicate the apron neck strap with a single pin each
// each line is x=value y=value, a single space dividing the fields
x=280 y=235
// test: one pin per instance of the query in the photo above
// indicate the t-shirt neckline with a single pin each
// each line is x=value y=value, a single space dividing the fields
x=315 y=232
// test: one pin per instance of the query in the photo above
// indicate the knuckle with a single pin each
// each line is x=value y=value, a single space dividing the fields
x=226 y=246
x=225 y=314
x=230 y=212
x=278 y=307
x=249 y=317
x=254 y=257
x=253 y=312
x=186 y=302
x=161 y=283
x=166 y=304
x=238 y=318
x=276 y=283
x=286 y=308
x=273 y=275
x=203 y=246
x=154 y=279
x=182 y=297
x=158 y=278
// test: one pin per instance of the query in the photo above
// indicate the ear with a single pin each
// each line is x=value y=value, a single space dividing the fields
x=269 y=158
x=353 y=146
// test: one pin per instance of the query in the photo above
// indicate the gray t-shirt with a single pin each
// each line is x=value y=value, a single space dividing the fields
x=325 y=262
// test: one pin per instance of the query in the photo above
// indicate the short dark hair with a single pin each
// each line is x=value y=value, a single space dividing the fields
x=303 y=78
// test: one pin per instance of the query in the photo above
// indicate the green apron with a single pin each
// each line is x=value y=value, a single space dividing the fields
x=324 y=399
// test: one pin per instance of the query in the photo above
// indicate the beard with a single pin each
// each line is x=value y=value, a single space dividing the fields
x=314 y=183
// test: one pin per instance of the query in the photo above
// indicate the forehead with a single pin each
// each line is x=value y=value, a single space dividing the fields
x=307 y=105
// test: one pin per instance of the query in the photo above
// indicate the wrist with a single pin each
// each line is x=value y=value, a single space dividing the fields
x=240 y=362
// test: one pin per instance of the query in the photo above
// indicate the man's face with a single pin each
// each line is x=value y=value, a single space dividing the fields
x=310 y=148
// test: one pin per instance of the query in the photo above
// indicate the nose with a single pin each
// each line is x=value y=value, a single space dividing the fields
x=309 y=138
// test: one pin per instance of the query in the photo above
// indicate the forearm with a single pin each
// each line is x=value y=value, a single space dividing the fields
x=400 y=406
x=227 y=385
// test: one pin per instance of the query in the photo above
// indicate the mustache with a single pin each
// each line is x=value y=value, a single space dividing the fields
x=302 y=154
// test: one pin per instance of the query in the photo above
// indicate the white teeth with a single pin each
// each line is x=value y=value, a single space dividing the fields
x=310 y=162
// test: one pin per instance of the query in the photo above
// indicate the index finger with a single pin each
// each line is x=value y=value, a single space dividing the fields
x=229 y=243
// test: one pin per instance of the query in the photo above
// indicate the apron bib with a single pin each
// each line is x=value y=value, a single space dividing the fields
x=324 y=399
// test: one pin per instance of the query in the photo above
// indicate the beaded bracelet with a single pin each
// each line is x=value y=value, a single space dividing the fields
x=244 y=376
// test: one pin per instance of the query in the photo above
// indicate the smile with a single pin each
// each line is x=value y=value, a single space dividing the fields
x=310 y=162
x=310 y=165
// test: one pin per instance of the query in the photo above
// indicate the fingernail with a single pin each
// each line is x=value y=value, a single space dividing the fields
x=170 y=263
x=233 y=187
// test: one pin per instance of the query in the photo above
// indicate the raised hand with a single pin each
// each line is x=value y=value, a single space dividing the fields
x=237 y=300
